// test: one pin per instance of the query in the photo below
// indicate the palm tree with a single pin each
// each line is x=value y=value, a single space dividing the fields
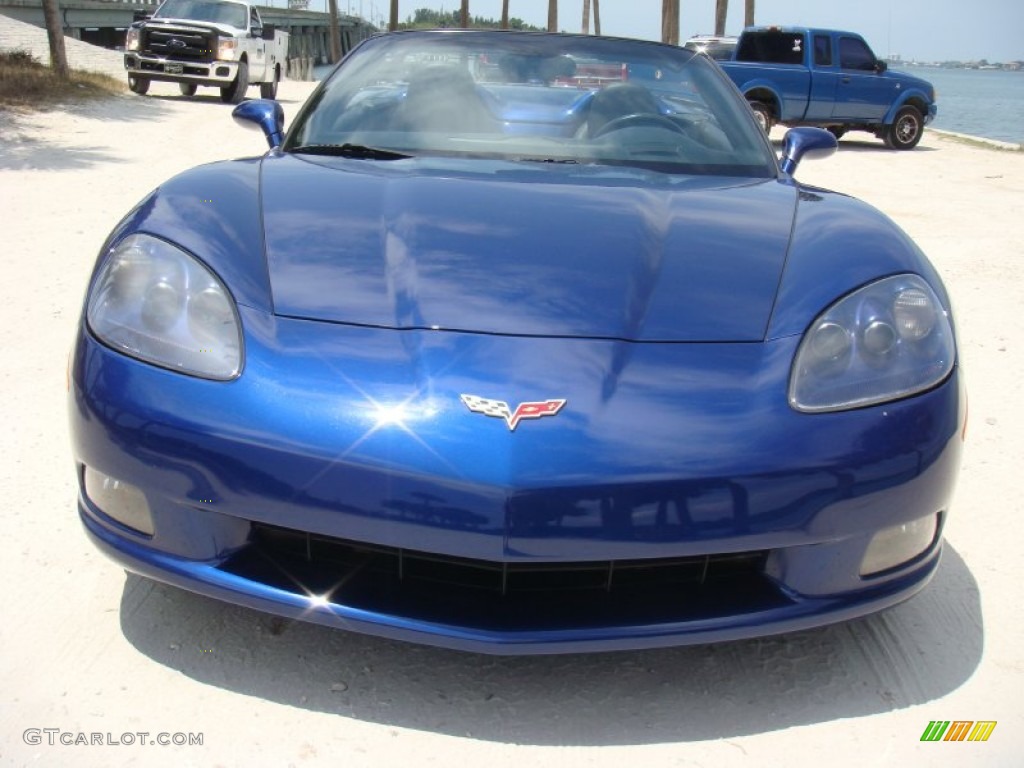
x=335 y=32
x=55 y=36
x=393 y=21
x=748 y=16
x=586 y=17
x=597 y=17
x=552 y=15
x=721 y=11
x=670 y=21
x=465 y=14
x=504 y=14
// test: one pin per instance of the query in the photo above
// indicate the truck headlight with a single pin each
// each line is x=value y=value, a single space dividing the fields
x=131 y=39
x=226 y=47
x=888 y=340
x=155 y=302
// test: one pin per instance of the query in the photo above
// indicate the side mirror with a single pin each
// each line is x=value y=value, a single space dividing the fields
x=812 y=143
x=881 y=66
x=141 y=15
x=268 y=31
x=265 y=114
x=256 y=32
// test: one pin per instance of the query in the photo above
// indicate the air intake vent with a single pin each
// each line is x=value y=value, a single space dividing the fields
x=506 y=596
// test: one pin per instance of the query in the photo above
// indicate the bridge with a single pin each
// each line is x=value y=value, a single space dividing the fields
x=103 y=22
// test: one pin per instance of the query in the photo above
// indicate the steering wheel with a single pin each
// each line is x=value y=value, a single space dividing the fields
x=637 y=120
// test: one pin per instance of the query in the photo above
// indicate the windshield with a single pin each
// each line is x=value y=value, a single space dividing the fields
x=534 y=97
x=232 y=14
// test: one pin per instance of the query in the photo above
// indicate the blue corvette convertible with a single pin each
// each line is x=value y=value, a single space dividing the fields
x=519 y=343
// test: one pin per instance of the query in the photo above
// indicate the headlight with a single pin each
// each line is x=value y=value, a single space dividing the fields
x=888 y=340
x=131 y=39
x=226 y=48
x=153 y=301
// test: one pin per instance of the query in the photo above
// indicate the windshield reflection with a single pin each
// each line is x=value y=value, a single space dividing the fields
x=537 y=97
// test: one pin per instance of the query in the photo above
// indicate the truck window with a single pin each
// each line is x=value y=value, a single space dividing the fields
x=855 y=54
x=772 y=47
x=823 y=50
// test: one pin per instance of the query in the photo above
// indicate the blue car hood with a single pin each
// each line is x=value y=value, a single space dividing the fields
x=523 y=249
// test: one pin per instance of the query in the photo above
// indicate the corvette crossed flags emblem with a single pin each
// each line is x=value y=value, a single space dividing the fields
x=500 y=409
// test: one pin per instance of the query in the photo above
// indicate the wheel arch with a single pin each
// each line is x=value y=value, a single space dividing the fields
x=767 y=96
x=912 y=98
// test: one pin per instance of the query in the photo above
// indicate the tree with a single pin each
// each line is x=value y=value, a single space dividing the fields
x=586 y=17
x=464 y=20
x=748 y=16
x=335 y=33
x=55 y=34
x=504 y=14
x=721 y=11
x=552 y=15
x=597 y=17
x=393 y=21
x=670 y=21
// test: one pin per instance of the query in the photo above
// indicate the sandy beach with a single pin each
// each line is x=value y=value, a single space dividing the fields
x=87 y=649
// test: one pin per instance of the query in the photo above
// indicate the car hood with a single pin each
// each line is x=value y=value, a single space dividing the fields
x=518 y=249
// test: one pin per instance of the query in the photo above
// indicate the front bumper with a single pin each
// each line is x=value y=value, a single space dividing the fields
x=285 y=596
x=159 y=68
x=611 y=527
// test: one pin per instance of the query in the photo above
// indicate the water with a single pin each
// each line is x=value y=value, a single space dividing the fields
x=988 y=103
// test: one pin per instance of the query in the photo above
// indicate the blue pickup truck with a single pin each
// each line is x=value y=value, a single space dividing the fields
x=799 y=76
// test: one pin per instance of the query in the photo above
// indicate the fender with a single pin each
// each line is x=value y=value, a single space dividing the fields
x=767 y=85
x=212 y=212
x=912 y=94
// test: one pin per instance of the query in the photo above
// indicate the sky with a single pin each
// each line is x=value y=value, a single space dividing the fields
x=925 y=30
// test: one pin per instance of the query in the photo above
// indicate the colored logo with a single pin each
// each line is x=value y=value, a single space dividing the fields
x=958 y=730
x=500 y=409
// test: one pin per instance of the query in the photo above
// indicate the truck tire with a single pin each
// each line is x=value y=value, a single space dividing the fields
x=235 y=93
x=269 y=90
x=837 y=130
x=138 y=85
x=187 y=89
x=906 y=130
x=763 y=114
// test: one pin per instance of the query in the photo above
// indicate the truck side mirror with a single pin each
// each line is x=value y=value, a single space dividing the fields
x=268 y=31
x=138 y=15
x=881 y=66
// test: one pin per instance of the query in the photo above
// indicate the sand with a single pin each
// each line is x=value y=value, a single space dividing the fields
x=87 y=649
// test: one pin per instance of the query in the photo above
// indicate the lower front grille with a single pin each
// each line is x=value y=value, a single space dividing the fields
x=506 y=596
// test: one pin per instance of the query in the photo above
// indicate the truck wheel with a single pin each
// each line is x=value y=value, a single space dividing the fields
x=234 y=93
x=269 y=90
x=763 y=115
x=906 y=130
x=187 y=89
x=138 y=85
x=837 y=131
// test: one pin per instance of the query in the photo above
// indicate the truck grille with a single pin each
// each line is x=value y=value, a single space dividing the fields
x=179 y=43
